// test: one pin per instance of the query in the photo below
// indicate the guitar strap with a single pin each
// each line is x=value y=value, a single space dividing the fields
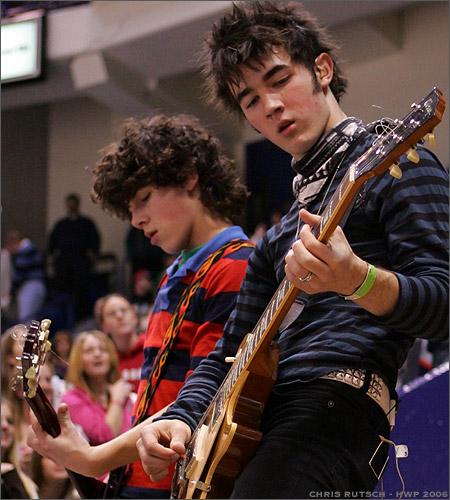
x=117 y=475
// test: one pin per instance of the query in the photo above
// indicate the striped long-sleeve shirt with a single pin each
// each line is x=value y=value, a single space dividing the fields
x=397 y=224
x=208 y=310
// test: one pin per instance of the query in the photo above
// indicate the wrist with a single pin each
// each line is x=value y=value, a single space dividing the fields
x=366 y=285
x=116 y=402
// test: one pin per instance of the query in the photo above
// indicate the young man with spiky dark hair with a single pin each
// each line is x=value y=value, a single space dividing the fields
x=369 y=290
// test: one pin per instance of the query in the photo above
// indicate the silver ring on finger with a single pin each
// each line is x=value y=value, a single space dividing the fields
x=307 y=278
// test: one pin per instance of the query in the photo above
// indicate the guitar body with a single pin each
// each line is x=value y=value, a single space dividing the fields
x=223 y=451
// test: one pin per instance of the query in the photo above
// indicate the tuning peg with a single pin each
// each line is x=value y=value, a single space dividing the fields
x=45 y=324
x=19 y=331
x=431 y=139
x=31 y=373
x=47 y=346
x=395 y=170
x=15 y=382
x=31 y=392
x=412 y=155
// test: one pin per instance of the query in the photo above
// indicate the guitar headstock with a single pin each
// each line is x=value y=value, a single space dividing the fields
x=401 y=137
x=35 y=348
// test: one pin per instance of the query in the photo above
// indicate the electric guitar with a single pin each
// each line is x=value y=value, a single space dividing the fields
x=35 y=348
x=228 y=433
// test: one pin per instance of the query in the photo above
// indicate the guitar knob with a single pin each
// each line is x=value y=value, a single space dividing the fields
x=412 y=155
x=431 y=139
x=395 y=170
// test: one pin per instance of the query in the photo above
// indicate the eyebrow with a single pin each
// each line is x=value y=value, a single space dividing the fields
x=267 y=76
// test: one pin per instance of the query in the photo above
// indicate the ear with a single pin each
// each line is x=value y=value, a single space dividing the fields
x=191 y=183
x=324 y=69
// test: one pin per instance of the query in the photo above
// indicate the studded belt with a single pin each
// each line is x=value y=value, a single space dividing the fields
x=376 y=389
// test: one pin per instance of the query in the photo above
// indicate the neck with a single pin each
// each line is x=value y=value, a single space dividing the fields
x=205 y=229
x=99 y=386
x=126 y=342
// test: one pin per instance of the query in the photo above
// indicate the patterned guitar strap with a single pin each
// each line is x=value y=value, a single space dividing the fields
x=117 y=475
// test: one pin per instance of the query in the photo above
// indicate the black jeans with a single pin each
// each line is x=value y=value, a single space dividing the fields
x=317 y=439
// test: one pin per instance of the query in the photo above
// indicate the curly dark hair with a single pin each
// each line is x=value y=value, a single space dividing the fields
x=250 y=33
x=167 y=150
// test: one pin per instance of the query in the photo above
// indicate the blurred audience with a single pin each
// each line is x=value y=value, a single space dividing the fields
x=51 y=479
x=62 y=342
x=143 y=297
x=73 y=246
x=99 y=400
x=15 y=483
x=27 y=279
x=117 y=317
x=143 y=255
x=260 y=231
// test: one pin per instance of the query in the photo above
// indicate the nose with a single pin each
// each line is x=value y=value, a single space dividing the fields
x=138 y=218
x=272 y=104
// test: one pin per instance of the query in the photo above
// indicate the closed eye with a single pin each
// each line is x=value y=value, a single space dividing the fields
x=282 y=81
x=252 y=102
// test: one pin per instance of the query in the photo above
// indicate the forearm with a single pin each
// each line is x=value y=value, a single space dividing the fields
x=382 y=298
x=114 y=417
x=119 y=451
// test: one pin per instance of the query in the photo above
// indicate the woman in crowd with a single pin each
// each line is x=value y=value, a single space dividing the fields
x=61 y=345
x=118 y=318
x=15 y=483
x=51 y=479
x=99 y=400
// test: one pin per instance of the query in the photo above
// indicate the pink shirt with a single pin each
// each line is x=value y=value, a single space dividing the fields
x=90 y=415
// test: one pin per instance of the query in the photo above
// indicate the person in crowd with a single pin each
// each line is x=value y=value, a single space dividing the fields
x=117 y=317
x=170 y=177
x=143 y=296
x=99 y=399
x=28 y=288
x=51 y=479
x=15 y=483
x=369 y=289
x=260 y=231
x=62 y=342
x=143 y=255
x=73 y=246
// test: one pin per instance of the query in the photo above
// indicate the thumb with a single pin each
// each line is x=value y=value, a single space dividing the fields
x=63 y=414
x=179 y=438
x=309 y=218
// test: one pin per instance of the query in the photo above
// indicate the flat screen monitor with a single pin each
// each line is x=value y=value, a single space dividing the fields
x=22 y=47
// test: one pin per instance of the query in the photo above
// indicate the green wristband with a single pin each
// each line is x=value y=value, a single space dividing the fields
x=366 y=285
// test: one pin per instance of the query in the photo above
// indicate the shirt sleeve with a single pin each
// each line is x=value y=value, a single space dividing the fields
x=414 y=218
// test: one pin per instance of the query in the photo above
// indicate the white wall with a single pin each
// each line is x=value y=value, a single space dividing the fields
x=391 y=66
x=79 y=129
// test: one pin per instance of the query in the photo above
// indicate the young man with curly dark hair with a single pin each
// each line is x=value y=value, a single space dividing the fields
x=368 y=292
x=170 y=177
